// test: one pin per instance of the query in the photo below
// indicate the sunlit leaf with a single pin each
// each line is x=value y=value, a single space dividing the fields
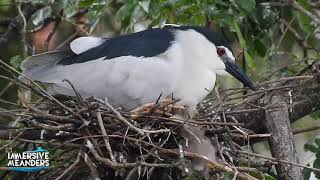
x=41 y=15
x=70 y=7
x=306 y=23
x=95 y=12
x=86 y=3
x=126 y=10
x=144 y=5
x=191 y=177
x=247 y=5
x=242 y=43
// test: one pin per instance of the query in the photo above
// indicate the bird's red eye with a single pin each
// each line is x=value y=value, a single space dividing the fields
x=221 y=51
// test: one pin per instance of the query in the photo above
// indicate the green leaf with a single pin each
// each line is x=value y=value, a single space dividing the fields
x=317 y=141
x=311 y=147
x=249 y=60
x=260 y=48
x=242 y=43
x=16 y=61
x=247 y=5
x=316 y=164
x=315 y=115
x=305 y=23
x=86 y=3
x=145 y=5
x=306 y=173
x=192 y=177
x=41 y=15
x=318 y=155
x=95 y=12
x=70 y=7
x=125 y=10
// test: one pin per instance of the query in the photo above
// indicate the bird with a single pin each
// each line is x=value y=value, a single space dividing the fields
x=135 y=69
x=139 y=68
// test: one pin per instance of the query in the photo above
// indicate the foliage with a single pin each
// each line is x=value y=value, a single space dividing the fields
x=254 y=25
x=314 y=148
x=266 y=37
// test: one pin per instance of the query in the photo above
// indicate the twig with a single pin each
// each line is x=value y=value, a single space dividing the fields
x=307 y=129
x=91 y=165
x=312 y=16
x=74 y=164
x=275 y=161
x=216 y=165
x=11 y=141
x=50 y=127
x=5 y=88
x=121 y=118
x=105 y=136
x=114 y=165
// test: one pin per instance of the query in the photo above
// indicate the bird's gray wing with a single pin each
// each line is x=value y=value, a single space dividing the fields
x=127 y=81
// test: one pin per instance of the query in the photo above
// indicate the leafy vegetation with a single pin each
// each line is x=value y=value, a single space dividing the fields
x=270 y=40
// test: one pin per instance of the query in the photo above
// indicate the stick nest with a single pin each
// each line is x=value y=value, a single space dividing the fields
x=90 y=138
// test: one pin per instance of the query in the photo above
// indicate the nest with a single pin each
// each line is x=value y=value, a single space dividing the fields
x=90 y=138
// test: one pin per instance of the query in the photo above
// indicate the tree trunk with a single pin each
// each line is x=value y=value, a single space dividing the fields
x=281 y=142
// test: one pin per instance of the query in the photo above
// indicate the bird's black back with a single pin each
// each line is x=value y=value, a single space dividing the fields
x=147 y=43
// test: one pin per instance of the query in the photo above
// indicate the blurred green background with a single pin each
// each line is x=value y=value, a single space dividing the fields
x=270 y=39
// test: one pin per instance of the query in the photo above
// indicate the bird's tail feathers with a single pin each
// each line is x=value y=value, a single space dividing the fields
x=35 y=66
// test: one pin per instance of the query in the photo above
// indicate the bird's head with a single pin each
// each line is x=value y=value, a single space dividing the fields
x=232 y=67
x=213 y=51
x=224 y=54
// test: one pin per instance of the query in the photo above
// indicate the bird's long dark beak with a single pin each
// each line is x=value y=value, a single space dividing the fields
x=234 y=69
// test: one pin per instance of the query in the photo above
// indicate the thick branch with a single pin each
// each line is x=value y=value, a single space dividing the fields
x=301 y=96
x=281 y=142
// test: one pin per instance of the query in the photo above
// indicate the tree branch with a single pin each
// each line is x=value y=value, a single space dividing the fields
x=282 y=142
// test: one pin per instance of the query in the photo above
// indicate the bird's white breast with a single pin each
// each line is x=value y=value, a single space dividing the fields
x=197 y=76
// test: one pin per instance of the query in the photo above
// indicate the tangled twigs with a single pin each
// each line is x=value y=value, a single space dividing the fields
x=113 y=141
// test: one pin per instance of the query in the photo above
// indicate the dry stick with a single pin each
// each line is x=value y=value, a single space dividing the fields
x=52 y=144
x=116 y=165
x=44 y=91
x=105 y=136
x=12 y=141
x=70 y=167
x=214 y=164
x=6 y=88
x=120 y=117
x=91 y=165
x=199 y=122
x=307 y=129
x=51 y=127
x=276 y=161
x=131 y=126
x=111 y=164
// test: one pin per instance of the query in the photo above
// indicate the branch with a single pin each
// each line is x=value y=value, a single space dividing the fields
x=301 y=96
x=282 y=142
x=16 y=23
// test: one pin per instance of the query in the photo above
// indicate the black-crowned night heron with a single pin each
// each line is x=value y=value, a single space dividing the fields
x=133 y=70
